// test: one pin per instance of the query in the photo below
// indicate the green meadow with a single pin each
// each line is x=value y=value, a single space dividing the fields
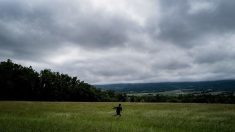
x=99 y=117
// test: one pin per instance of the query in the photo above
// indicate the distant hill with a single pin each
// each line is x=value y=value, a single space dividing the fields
x=221 y=85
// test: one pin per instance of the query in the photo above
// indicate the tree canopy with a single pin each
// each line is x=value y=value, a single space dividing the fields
x=24 y=83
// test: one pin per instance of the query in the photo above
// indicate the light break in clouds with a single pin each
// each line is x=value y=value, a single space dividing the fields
x=111 y=41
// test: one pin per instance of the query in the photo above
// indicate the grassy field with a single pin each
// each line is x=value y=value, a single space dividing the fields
x=136 y=117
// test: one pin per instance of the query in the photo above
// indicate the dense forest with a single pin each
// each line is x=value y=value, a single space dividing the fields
x=227 y=98
x=24 y=83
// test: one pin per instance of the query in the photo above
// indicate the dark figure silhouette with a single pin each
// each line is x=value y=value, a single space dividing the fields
x=118 y=110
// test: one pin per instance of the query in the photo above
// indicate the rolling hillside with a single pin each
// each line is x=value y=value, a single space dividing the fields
x=222 y=85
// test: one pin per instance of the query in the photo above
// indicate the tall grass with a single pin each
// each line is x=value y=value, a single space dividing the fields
x=136 y=117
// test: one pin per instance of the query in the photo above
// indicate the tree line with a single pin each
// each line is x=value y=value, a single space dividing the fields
x=227 y=98
x=24 y=83
x=18 y=82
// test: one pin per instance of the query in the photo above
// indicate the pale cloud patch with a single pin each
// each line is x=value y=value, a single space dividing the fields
x=200 y=6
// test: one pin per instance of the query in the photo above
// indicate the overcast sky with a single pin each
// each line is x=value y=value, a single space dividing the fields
x=112 y=41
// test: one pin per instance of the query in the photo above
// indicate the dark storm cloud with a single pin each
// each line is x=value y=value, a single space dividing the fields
x=98 y=32
x=122 y=41
x=23 y=30
x=184 y=22
x=30 y=29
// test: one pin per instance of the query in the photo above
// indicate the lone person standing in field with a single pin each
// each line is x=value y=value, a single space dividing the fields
x=118 y=110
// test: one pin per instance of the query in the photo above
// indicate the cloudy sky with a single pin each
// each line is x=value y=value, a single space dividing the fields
x=112 y=41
